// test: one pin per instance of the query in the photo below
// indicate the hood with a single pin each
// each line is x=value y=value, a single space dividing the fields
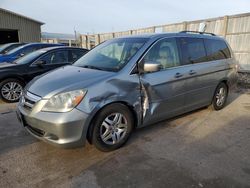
x=10 y=67
x=64 y=79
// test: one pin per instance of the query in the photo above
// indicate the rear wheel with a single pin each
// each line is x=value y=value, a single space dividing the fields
x=112 y=128
x=11 y=90
x=220 y=96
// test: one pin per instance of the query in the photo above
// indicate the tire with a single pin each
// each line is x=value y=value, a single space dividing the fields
x=107 y=131
x=220 y=97
x=11 y=95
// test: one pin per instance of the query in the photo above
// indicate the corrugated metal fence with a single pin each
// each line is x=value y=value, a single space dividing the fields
x=236 y=30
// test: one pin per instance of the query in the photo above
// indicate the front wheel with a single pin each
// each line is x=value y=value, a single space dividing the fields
x=220 y=97
x=11 y=90
x=112 y=128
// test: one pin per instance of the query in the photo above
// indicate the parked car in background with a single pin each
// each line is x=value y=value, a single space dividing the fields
x=125 y=83
x=4 y=48
x=23 y=50
x=14 y=76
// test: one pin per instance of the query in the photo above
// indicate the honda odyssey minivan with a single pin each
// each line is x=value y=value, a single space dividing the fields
x=126 y=83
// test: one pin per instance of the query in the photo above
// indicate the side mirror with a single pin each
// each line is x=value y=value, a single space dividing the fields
x=40 y=63
x=151 y=67
x=21 y=55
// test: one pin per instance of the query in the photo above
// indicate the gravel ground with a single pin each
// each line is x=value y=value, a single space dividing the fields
x=244 y=79
x=204 y=148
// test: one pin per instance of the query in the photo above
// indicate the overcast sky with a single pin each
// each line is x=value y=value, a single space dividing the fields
x=97 y=16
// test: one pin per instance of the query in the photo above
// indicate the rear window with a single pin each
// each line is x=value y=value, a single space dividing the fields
x=192 y=50
x=217 y=49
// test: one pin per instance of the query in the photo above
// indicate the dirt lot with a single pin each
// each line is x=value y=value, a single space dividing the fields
x=201 y=149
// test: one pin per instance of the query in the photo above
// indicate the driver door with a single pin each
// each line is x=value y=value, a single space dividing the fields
x=51 y=60
x=163 y=91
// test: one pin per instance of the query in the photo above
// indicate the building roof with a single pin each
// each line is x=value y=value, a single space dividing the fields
x=19 y=15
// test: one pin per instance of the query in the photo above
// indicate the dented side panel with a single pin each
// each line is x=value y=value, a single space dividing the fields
x=163 y=95
x=124 y=89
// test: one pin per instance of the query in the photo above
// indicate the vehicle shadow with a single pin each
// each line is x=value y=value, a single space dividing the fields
x=236 y=93
x=192 y=152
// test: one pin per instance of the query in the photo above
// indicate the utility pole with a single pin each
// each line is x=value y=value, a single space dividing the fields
x=76 y=37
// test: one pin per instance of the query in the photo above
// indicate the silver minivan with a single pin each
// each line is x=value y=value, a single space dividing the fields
x=126 y=83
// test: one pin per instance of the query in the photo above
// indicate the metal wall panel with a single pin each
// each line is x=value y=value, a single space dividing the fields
x=143 y=31
x=242 y=58
x=173 y=28
x=28 y=30
x=239 y=42
x=124 y=33
x=106 y=36
x=239 y=24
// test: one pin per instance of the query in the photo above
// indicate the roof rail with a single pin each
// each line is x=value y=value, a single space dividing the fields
x=198 y=32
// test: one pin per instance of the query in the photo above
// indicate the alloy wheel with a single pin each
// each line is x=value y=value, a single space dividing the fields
x=220 y=96
x=11 y=91
x=114 y=128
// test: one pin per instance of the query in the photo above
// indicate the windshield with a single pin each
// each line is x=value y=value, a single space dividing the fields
x=30 y=57
x=14 y=50
x=111 y=55
x=3 y=47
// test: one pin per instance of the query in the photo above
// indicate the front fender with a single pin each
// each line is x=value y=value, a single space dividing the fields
x=126 y=91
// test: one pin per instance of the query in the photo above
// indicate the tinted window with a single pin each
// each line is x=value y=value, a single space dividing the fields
x=29 y=49
x=217 y=49
x=8 y=47
x=164 y=53
x=192 y=50
x=30 y=57
x=75 y=55
x=56 y=57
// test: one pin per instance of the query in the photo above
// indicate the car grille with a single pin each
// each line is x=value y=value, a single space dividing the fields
x=35 y=131
x=29 y=100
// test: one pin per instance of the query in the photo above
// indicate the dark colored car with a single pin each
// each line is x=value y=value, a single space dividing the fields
x=23 y=50
x=4 y=48
x=14 y=76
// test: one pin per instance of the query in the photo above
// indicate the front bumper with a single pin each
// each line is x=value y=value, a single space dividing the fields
x=66 y=130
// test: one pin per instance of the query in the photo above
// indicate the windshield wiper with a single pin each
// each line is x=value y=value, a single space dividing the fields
x=92 y=67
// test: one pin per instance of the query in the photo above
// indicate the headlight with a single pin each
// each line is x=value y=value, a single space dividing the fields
x=64 y=102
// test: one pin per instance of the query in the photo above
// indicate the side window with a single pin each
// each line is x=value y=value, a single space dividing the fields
x=75 y=55
x=56 y=57
x=165 y=53
x=217 y=49
x=192 y=50
x=27 y=50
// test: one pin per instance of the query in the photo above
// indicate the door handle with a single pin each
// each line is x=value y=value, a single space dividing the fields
x=191 y=72
x=178 y=75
